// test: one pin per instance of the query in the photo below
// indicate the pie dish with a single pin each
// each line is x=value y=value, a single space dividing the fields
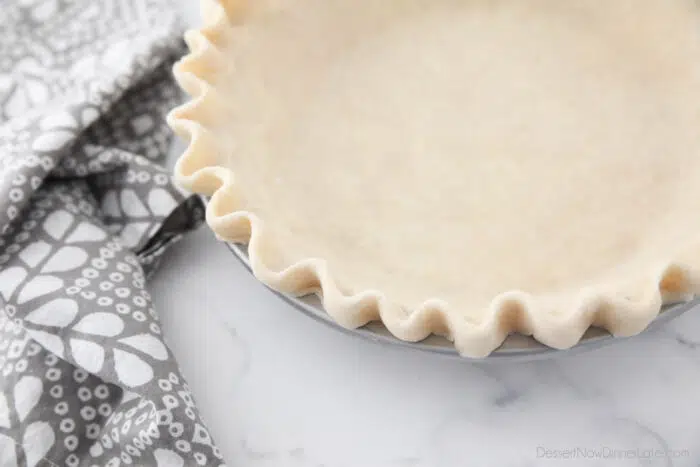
x=466 y=168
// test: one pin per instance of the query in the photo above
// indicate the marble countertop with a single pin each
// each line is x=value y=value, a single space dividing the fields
x=279 y=389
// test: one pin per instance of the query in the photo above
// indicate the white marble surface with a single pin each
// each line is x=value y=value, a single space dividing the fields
x=278 y=389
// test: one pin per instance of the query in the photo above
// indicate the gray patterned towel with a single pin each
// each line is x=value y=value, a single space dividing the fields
x=85 y=213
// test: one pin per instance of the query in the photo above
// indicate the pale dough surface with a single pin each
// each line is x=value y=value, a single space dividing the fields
x=462 y=149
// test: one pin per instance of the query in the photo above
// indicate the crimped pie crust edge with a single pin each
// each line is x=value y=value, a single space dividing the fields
x=198 y=170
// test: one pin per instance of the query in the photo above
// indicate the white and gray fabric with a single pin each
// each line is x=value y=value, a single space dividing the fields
x=85 y=212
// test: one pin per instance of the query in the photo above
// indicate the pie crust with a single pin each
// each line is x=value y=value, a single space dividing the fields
x=466 y=168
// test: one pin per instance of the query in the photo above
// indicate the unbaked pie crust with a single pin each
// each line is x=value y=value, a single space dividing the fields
x=468 y=168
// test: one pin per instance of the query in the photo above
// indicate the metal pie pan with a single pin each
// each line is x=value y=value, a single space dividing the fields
x=515 y=347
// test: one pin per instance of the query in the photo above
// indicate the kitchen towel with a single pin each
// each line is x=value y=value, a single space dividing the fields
x=85 y=212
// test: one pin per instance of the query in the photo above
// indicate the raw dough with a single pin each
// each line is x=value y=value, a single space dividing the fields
x=468 y=168
x=462 y=149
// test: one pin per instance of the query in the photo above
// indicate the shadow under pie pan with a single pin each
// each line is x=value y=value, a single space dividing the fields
x=515 y=347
